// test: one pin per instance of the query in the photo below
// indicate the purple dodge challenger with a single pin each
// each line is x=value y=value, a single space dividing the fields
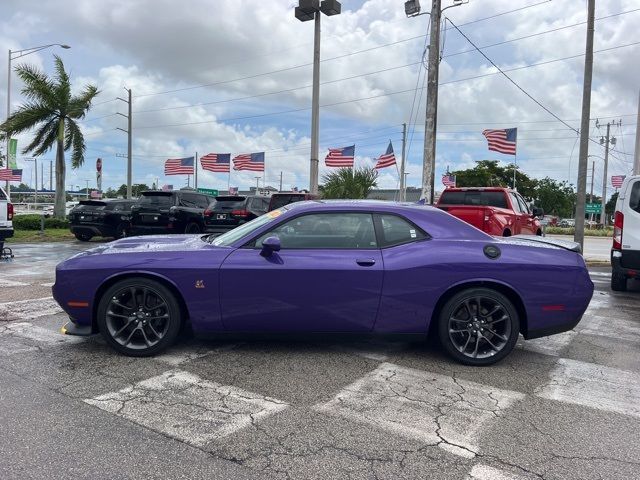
x=330 y=266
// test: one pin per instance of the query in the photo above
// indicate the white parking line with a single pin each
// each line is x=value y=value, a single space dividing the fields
x=37 y=334
x=179 y=355
x=552 y=345
x=595 y=386
x=485 y=472
x=188 y=408
x=611 y=327
x=28 y=309
x=425 y=406
x=11 y=283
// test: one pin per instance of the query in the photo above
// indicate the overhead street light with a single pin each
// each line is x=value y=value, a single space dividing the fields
x=12 y=56
x=310 y=10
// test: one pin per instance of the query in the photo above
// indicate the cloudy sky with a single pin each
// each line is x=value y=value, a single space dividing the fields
x=235 y=76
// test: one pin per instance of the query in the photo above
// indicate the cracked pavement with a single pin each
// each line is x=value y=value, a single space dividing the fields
x=565 y=407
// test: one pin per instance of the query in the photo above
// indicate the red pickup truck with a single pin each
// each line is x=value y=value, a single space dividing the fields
x=497 y=211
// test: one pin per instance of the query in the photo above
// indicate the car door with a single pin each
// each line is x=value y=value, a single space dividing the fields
x=528 y=223
x=519 y=220
x=327 y=277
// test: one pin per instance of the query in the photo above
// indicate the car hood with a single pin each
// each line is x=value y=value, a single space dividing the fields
x=150 y=244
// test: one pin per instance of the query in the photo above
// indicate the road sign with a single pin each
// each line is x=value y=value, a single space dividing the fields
x=593 y=207
x=209 y=191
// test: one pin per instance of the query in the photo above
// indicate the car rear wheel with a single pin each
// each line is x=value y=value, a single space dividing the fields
x=139 y=317
x=618 y=282
x=192 y=228
x=478 y=326
x=83 y=237
x=506 y=233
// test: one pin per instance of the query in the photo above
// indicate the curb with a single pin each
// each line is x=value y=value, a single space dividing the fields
x=597 y=263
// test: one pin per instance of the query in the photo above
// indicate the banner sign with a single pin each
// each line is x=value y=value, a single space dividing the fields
x=13 y=148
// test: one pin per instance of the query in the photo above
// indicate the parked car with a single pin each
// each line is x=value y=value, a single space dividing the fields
x=625 y=253
x=48 y=210
x=100 y=218
x=169 y=212
x=497 y=211
x=285 y=198
x=341 y=266
x=227 y=212
x=567 y=223
x=6 y=219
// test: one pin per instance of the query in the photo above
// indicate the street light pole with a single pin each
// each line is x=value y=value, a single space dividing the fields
x=310 y=10
x=12 y=56
x=129 y=133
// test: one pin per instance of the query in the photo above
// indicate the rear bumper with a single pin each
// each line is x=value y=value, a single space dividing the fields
x=100 y=230
x=219 y=228
x=6 y=233
x=626 y=262
x=151 y=229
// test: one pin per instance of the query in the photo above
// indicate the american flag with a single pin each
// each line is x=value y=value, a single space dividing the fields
x=233 y=190
x=216 y=162
x=340 y=157
x=387 y=159
x=11 y=175
x=179 y=166
x=616 y=180
x=449 y=180
x=249 y=161
x=503 y=140
x=167 y=188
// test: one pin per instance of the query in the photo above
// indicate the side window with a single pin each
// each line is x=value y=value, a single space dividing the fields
x=524 y=208
x=203 y=201
x=396 y=231
x=514 y=202
x=188 y=200
x=325 y=230
x=634 y=197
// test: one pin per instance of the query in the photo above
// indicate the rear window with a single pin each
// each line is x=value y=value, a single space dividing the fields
x=90 y=205
x=226 y=204
x=156 y=200
x=489 y=199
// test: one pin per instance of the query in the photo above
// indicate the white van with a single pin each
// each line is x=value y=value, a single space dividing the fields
x=6 y=219
x=625 y=254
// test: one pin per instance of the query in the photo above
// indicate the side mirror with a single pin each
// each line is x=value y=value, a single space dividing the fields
x=538 y=212
x=270 y=245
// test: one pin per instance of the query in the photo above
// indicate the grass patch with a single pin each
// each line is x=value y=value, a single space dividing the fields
x=588 y=232
x=33 y=236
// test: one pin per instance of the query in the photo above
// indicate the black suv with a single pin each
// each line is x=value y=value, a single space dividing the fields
x=169 y=212
x=226 y=213
x=103 y=218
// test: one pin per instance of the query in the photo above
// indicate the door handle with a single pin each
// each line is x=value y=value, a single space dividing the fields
x=365 y=262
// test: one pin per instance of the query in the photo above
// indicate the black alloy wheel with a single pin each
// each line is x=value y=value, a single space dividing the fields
x=139 y=317
x=83 y=237
x=478 y=326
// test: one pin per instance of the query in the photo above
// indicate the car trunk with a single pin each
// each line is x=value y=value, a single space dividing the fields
x=221 y=212
x=473 y=215
x=152 y=209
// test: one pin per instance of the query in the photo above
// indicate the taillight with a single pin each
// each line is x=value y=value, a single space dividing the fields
x=618 y=225
x=208 y=213
x=10 y=211
x=240 y=213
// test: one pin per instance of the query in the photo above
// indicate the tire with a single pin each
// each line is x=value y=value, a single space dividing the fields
x=618 y=282
x=83 y=237
x=506 y=233
x=539 y=232
x=136 y=330
x=464 y=335
x=192 y=228
x=121 y=231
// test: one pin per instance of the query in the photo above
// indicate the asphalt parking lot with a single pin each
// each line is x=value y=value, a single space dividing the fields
x=562 y=407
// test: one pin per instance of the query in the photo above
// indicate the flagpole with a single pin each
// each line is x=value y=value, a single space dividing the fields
x=229 y=178
x=195 y=166
x=515 y=161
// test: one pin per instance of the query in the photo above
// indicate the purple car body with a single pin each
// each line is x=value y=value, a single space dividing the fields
x=397 y=289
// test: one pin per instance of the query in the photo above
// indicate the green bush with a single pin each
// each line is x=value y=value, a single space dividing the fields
x=588 y=232
x=32 y=222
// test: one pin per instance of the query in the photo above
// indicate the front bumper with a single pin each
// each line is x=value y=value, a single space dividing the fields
x=71 y=328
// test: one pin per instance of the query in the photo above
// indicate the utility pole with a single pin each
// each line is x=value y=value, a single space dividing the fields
x=41 y=175
x=401 y=194
x=578 y=235
x=257 y=184
x=431 y=114
x=51 y=175
x=636 y=163
x=593 y=170
x=280 y=182
x=87 y=191
x=603 y=215
x=129 y=132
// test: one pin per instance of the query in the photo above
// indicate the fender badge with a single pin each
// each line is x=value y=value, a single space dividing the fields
x=199 y=283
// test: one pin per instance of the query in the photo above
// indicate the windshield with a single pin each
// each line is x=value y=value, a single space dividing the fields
x=156 y=200
x=236 y=234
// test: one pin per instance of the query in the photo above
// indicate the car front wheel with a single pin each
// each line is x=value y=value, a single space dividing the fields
x=478 y=326
x=139 y=317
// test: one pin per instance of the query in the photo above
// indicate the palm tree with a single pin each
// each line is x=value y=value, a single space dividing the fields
x=349 y=183
x=53 y=111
